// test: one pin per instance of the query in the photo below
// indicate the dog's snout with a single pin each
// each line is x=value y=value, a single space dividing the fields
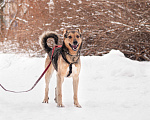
x=75 y=42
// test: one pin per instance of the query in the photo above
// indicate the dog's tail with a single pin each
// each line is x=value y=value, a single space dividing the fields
x=43 y=40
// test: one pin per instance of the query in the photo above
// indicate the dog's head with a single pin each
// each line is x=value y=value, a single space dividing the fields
x=72 y=39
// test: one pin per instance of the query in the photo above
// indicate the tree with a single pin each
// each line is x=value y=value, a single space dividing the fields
x=2 y=5
x=113 y=24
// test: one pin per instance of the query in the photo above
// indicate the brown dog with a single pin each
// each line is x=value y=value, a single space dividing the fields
x=66 y=61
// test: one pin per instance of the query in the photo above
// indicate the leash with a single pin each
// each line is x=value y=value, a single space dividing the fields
x=57 y=46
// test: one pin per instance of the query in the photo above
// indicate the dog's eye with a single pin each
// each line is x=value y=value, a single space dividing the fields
x=77 y=36
x=70 y=37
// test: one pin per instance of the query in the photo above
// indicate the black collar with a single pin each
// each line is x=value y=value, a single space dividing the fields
x=78 y=53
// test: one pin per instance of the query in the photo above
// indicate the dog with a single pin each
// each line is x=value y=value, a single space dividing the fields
x=65 y=60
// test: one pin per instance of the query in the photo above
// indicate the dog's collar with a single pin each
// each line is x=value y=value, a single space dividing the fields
x=67 y=52
x=64 y=57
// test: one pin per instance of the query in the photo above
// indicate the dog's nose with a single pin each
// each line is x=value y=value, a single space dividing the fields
x=75 y=42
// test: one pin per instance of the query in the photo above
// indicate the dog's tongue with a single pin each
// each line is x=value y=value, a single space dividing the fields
x=74 y=46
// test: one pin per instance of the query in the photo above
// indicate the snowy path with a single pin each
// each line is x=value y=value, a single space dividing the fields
x=111 y=87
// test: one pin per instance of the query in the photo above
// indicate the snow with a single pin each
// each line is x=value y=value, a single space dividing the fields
x=111 y=87
x=121 y=24
x=21 y=19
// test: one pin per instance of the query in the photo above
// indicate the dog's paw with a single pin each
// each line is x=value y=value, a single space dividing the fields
x=77 y=105
x=60 y=105
x=45 y=100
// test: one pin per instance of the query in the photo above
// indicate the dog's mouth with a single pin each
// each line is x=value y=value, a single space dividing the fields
x=74 y=47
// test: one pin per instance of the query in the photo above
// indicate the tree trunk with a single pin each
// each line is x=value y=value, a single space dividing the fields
x=2 y=5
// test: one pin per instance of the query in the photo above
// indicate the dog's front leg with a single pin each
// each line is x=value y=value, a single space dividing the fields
x=60 y=80
x=75 y=89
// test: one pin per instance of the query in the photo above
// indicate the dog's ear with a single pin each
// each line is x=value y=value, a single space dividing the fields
x=79 y=30
x=65 y=33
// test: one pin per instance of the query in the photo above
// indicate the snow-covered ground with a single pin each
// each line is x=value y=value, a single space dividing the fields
x=111 y=87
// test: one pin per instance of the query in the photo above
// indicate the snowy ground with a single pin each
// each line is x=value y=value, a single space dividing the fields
x=111 y=87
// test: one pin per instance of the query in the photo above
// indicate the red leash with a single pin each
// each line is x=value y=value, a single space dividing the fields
x=57 y=46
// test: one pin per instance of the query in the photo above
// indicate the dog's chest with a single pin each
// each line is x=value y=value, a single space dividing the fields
x=73 y=70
